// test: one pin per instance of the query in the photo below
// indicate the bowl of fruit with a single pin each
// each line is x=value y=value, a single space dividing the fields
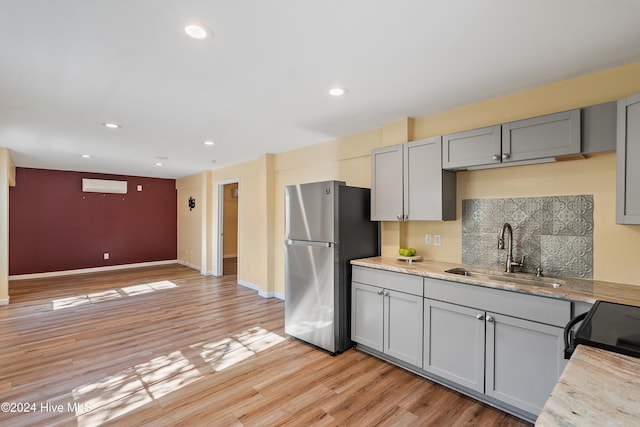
x=408 y=255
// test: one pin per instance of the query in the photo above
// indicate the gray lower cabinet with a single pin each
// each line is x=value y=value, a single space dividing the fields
x=503 y=347
x=627 y=161
x=506 y=345
x=386 y=320
x=515 y=361
x=386 y=313
x=367 y=317
x=454 y=343
x=523 y=361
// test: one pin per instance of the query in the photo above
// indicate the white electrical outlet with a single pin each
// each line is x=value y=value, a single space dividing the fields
x=427 y=239
x=106 y=255
x=139 y=187
x=437 y=240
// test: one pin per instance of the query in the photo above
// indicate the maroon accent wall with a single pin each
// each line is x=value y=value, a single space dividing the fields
x=54 y=226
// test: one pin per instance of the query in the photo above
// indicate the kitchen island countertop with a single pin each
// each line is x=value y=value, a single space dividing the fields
x=597 y=388
x=573 y=289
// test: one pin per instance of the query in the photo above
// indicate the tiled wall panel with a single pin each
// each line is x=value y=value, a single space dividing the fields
x=555 y=233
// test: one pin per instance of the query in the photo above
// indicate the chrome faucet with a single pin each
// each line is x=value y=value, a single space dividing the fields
x=510 y=262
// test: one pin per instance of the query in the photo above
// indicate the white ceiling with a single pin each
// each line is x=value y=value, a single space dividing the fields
x=260 y=85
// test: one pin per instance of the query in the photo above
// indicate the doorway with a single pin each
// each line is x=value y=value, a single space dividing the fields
x=228 y=244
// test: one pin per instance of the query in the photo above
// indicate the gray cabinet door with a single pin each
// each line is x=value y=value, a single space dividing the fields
x=430 y=193
x=367 y=315
x=524 y=361
x=545 y=136
x=627 y=161
x=454 y=339
x=471 y=148
x=402 y=326
x=387 y=184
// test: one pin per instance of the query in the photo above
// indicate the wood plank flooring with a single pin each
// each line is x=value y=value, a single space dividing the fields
x=166 y=346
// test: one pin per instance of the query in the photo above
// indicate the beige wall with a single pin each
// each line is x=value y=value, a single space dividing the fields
x=262 y=181
x=192 y=224
x=7 y=179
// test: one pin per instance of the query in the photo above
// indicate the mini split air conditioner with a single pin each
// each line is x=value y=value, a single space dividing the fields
x=104 y=186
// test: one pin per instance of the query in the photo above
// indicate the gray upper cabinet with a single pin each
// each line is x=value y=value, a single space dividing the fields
x=519 y=142
x=408 y=183
x=540 y=137
x=387 y=183
x=471 y=148
x=627 y=160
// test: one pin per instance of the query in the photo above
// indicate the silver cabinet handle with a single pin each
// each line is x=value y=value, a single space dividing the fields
x=399 y=217
x=490 y=319
x=496 y=157
x=380 y=292
x=386 y=293
x=506 y=156
x=406 y=217
x=480 y=316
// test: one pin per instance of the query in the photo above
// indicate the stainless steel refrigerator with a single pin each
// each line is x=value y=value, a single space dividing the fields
x=327 y=224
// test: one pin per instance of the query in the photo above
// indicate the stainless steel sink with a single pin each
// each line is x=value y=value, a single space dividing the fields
x=515 y=278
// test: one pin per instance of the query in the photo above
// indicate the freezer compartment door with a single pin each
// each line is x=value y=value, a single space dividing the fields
x=309 y=293
x=310 y=211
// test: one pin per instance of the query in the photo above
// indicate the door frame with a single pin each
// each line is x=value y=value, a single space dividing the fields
x=218 y=269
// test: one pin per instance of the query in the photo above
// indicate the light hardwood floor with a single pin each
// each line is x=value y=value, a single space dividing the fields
x=167 y=346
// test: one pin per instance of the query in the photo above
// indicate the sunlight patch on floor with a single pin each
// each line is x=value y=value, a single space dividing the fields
x=96 y=297
x=142 y=384
x=230 y=351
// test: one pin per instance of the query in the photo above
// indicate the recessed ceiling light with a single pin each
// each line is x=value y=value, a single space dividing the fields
x=159 y=164
x=209 y=143
x=196 y=31
x=337 y=91
x=111 y=125
x=85 y=156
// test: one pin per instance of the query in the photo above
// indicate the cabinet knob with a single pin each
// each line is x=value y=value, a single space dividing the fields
x=506 y=156
x=490 y=319
x=379 y=291
x=386 y=293
x=480 y=316
x=406 y=217
x=496 y=157
x=399 y=217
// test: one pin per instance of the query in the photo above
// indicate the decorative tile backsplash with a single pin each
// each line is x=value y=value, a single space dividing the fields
x=555 y=233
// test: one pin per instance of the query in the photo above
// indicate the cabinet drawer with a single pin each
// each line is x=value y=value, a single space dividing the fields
x=538 y=309
x=400 y=282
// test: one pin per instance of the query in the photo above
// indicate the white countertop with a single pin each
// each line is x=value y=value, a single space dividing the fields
x=572 y=289
x=597 y=388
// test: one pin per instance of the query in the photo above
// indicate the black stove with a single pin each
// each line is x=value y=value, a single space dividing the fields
x=613 y=327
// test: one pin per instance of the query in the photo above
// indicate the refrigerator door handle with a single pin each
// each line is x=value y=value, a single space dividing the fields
x=309 y=243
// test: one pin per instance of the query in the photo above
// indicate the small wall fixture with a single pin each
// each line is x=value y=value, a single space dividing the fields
x=192 y=203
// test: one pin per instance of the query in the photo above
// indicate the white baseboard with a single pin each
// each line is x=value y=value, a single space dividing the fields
x=186 y=264
x=4 y=301
x=262 y=293
x=91 y=270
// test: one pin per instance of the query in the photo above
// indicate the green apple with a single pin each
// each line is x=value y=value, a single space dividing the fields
x=412 y=252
